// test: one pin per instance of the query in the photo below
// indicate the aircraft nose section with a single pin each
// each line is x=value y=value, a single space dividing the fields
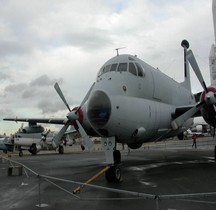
x=99 y=109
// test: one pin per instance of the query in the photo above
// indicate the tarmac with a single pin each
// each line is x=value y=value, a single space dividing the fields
x=168 y=175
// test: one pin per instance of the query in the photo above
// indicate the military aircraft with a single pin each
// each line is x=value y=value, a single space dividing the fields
x=133 y=103
x=6 y=144
x=34 y=138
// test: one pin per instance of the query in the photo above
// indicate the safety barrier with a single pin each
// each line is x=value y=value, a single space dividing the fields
x=135 y=195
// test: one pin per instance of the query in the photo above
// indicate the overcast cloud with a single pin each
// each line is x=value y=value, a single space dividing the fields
x=43 y=42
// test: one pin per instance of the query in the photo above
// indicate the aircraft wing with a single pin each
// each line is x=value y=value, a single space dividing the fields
x=182 y=109
x=34 y=121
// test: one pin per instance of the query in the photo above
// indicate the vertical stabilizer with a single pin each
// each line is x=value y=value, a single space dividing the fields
x=214 y=16
x=212 y=64
x=212 y=55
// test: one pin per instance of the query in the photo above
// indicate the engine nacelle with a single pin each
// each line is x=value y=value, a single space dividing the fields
x=33 y=129
x=35 y=148
x=135 y=145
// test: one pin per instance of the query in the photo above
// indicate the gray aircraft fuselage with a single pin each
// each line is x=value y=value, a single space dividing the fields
x=134 y=102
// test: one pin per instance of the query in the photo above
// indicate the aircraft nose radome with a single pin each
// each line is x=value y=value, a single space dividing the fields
x=99 y=109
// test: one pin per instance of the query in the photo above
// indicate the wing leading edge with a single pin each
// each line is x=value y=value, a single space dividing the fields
x=34 y=121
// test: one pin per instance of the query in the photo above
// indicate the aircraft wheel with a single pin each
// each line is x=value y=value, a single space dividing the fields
x=61 y=150
x=33 y=149
x=113 y=174
x=82 y=147
x=21 y=153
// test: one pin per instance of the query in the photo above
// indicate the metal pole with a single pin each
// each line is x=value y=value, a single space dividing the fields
x=156 y=202
x=39 y=196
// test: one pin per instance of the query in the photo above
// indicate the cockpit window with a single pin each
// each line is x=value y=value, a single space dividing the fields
x=107 y=68
x=113 y=67
x=101 y=71
x=132 y=69
x=122 y=67
x=139 y=69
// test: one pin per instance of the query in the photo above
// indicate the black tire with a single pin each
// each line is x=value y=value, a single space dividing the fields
x=20 y=153
x=61 y=150
x=33 y=149
x=117 y=156
x=113 y=174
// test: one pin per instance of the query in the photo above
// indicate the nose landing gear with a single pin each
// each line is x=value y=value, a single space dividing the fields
x=113 y=157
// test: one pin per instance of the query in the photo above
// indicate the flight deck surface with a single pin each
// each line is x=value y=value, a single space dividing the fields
x=156 y=170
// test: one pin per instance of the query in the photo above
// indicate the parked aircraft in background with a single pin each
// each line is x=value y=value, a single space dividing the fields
x=6 y=144
x=34 y=138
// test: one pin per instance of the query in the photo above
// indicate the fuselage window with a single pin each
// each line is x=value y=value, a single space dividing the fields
x=113 y=67
x=132 y=69
x=139 y=69
x=18 y=136
x=122 y=67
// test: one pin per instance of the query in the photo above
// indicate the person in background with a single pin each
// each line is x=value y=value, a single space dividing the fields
x=194 y=141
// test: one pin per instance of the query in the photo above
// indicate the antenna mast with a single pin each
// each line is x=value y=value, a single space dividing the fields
x=117 y=50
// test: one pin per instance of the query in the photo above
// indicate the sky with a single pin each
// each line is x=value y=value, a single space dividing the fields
x=67 y=41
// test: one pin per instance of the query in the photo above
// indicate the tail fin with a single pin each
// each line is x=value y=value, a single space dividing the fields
x=212 y=65
x=212 y=55
x=187 y=82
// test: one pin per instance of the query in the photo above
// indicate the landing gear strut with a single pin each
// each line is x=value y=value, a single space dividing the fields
x=61 y=149
x=113 y=157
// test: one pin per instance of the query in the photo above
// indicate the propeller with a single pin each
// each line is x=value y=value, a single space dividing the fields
x=179 y=121
x=194 y=65
x=209 y=97
x=44 y=135
x=58 y=90
x=57 y=138
x=73 y=116
x=21 y=128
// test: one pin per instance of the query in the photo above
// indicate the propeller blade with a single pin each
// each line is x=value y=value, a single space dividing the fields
x=57 y=138
x=86 y=97
x=179 y=121
x=194 y=65
x=44 y=135
x=58 y=90
x=214 y=107
x=85 y=137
